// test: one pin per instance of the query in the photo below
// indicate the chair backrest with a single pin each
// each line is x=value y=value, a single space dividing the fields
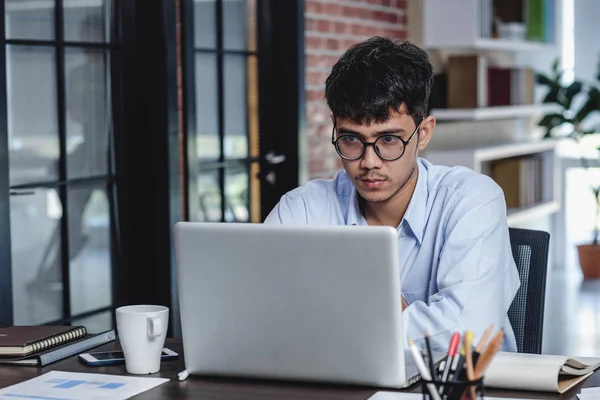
x=526 y=313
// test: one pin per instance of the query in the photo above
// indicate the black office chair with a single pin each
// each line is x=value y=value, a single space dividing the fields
x=526 y=313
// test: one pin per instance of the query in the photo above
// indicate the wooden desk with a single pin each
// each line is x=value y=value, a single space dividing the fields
x=221 y=388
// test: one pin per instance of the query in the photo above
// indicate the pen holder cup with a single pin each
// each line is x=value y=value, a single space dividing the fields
x=452 y=390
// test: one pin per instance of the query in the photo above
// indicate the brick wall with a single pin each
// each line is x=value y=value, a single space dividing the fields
x=331 y=27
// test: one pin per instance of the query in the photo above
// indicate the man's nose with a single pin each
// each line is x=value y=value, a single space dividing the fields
x=370 y=159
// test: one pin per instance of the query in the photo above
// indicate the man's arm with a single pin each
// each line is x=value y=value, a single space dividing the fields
x=287 y=211
x=476 y=276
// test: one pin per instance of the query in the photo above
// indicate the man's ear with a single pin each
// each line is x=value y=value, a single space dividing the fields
x=426 y=131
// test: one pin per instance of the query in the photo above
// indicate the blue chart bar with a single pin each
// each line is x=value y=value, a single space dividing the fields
x=69 y=384
x=112 y=386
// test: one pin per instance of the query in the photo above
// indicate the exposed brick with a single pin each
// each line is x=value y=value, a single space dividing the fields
x=332 y=9
x=313 y=7
x=316 y=78
x=342 y=23
x=313 y=42
x=323 y=25
x=313 y=95
x=341 y=27
x=321 y=60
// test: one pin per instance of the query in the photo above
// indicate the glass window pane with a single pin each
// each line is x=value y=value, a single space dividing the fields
x=86 y=20
x=236 y=113
x=89 y=247
x=205 y=26
x=209 y=197
x=97 y=323
x=36 y=259
x=27 y=19
x=239 y=24
x=237 y=195
x=33 y=142
x=87 y=108
x=207 y=128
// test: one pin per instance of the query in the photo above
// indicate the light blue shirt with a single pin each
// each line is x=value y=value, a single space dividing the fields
x=458 y=272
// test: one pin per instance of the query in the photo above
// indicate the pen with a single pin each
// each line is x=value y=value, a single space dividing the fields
x=469 y=361
x=430 y=356
x=423 y=370
x=450 y=358
x=459 y=373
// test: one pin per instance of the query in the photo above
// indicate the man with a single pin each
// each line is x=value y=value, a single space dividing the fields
x=458 y=273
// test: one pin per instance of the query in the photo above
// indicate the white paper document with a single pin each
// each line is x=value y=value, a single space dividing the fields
x=395 y=396
x=59 y=385
x=417 y=396
x=589 y=394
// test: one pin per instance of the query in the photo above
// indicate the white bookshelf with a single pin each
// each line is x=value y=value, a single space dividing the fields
x=454 y=24
x=480 y=159
x=488 y=113
x=451 y=27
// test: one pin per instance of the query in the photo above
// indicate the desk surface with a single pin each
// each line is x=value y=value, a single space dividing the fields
x=221 y=388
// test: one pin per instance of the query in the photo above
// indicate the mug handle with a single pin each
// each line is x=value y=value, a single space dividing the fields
x=154 y=327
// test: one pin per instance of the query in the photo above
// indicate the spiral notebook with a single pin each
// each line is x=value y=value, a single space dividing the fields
x=21 y=340
x=57 y=353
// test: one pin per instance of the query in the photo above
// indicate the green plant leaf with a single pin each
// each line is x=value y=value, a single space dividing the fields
x=552 y=120
x=591 y=105
x=543 y=80
x=573 y=89
x=555 y=64
x=594 y=94
x=552 y=96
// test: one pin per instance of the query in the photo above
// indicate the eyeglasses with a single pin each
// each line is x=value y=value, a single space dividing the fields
x=387 y=147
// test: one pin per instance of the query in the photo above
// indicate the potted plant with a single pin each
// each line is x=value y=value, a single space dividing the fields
x=576 y=102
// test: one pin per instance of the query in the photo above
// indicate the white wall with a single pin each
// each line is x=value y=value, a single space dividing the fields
x=587 y=45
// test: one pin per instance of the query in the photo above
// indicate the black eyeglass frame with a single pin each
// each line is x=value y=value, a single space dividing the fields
x=365 y=144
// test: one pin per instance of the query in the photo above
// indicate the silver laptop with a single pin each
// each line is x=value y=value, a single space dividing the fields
x=312 y=303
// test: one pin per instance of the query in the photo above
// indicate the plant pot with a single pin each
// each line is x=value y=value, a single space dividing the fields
x=589 y=260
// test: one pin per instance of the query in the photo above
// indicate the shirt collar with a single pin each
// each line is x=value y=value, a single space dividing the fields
x=415 y=215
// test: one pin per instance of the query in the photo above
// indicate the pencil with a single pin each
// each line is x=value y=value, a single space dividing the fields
x=488 y=354
x=482 y=342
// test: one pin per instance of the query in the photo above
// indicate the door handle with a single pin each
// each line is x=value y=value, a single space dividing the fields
x=274 y=158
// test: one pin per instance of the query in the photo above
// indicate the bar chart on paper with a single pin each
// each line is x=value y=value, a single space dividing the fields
x=58 y=385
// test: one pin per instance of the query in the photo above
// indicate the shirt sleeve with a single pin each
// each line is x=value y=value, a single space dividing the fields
x=288 y=211
x=476 y=277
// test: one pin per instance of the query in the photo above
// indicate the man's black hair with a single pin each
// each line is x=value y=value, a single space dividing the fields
x=377 y=75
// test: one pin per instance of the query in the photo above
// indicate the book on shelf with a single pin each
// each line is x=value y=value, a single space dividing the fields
x=42 y=345
x=473 y=83
x=520 y=178
x=538 y=18
x=536 y=372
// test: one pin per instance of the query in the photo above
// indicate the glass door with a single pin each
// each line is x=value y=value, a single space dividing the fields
x=61 y=175
x=222 y=111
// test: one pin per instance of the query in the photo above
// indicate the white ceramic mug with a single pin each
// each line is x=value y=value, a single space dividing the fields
x=142 y=331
